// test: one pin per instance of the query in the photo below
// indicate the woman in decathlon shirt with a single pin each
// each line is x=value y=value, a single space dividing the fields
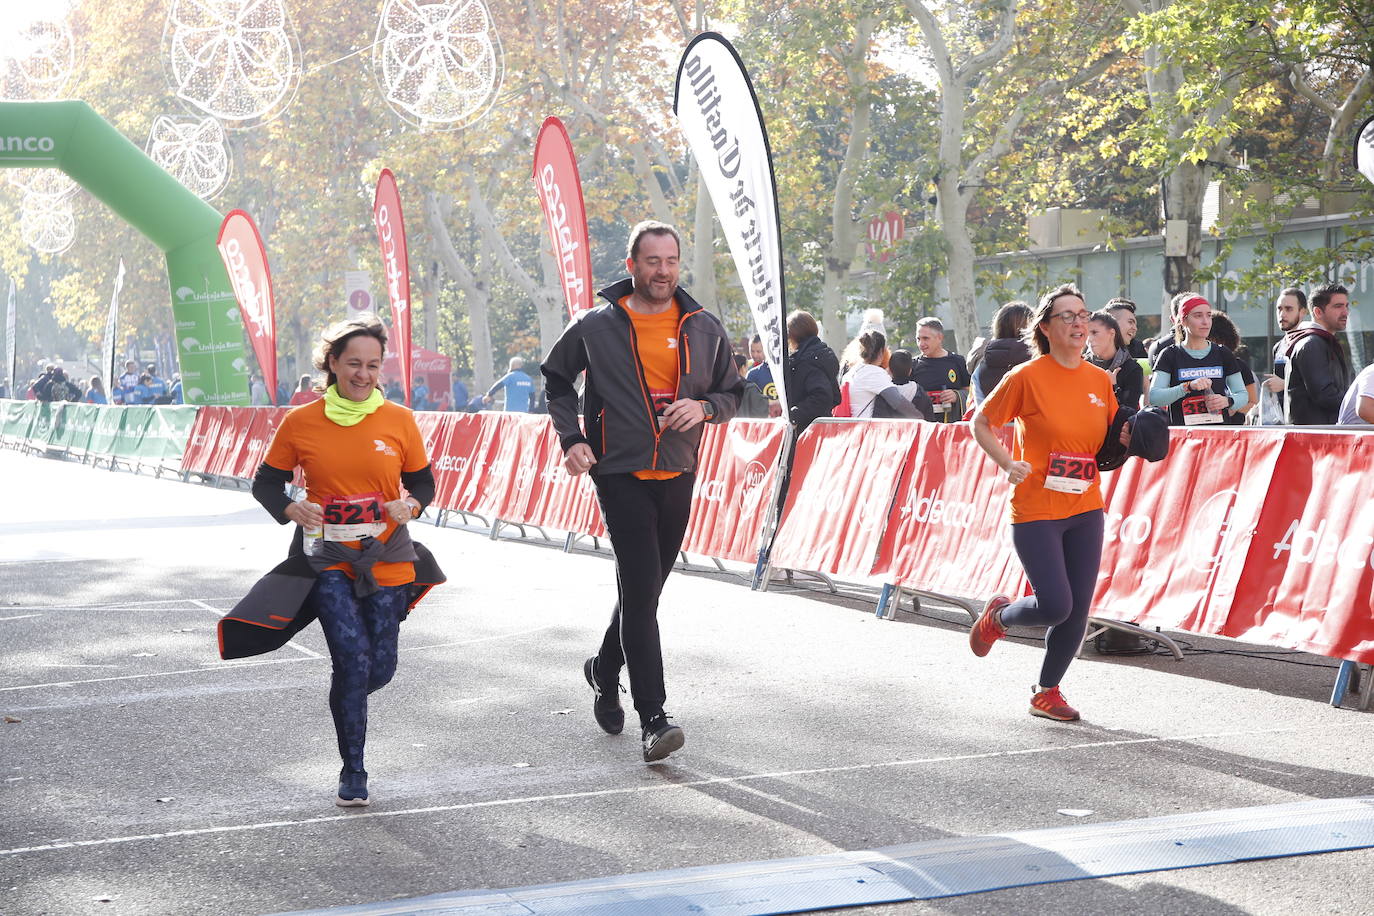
x=1062 y=407
x=356 y=450
x=1198 y=381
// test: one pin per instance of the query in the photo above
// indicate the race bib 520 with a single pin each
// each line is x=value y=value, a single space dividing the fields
x=1069 y=473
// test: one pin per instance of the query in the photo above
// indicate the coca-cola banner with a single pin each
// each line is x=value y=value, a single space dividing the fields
x=391 y=233
x=560 y=195
x=719 y=115
x=240 y=246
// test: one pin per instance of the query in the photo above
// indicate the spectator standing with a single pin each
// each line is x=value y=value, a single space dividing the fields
x=943 y=374
x=753 y=404
x=1197 y=380
x=761 y=376
x=394 y=392
x=143 y=392
x=130 y=377
x=518 y=387
x=257 y=392
x=157 y=387
x=1006 y=350
x=1318 y=373
x=815 y=371
x=1107 y=351
x=460 y=394
x=1357 y=408
x=95 y=393
x=1224 y=332
x=1290 y=310
x=869 y=382
x=1063 y=408
x=899 y=368
x=1123 y=310
x=419 y=394
x=645 y=403
x=305 y=392
x=176 y=391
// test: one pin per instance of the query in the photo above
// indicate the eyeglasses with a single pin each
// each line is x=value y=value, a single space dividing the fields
x=1074 y=317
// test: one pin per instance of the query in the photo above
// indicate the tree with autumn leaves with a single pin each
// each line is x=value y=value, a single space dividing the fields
x=963 y=116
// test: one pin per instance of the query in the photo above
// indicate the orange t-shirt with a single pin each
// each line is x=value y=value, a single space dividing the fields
x=343 y=461
x=1057 y=410
x=656 y=337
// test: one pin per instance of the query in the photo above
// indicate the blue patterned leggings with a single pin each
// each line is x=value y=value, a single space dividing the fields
x=362 y=635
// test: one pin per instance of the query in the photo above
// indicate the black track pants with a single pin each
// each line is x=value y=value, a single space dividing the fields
x=645 y=520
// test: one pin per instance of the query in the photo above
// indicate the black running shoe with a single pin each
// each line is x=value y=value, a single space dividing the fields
x=352 y=790
x=606 y=705
x=661 y=738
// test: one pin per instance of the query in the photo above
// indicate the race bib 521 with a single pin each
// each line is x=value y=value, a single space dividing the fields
x=351 y=518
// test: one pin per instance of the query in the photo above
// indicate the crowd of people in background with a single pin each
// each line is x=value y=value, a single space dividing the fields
x=133 y=386
x=1198 y=370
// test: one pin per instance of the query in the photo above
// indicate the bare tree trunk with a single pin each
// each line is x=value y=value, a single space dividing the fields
x=429 y=298
x=844 y=231
x=704 y=249
x=476 y=291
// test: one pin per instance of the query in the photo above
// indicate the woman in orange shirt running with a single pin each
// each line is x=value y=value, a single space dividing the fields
x=356 y=450
x=1062 y=406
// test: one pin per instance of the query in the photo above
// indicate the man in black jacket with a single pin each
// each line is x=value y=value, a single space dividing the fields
x=1318 y=372
x=657 y=366
x=815 y=370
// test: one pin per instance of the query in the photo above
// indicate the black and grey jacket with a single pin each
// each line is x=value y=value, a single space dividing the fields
x=621 y=426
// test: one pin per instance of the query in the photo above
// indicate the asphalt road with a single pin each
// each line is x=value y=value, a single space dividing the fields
x=146 y=776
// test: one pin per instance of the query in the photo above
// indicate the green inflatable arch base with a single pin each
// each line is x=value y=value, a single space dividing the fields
x=70 y=136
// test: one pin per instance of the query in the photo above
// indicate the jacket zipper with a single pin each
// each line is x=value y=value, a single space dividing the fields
x=643 y=391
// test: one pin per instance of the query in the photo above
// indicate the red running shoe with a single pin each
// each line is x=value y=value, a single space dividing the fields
x=987 y=629
x=1050 y=704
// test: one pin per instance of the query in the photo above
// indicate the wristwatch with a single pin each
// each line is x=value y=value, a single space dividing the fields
x=707 y=408
x=415 y=508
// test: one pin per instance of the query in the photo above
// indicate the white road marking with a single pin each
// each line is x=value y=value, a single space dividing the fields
x=228 y=665
x=20 y=617
x=117 y=605
x=640 y=790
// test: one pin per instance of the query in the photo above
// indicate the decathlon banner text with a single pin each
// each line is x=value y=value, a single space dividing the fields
x=719 y=115
x=391 y=233
x=240 y=246
x=560 y=195
x=107 y=350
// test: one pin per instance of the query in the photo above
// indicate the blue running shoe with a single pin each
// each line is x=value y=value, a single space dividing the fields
x=352 y=789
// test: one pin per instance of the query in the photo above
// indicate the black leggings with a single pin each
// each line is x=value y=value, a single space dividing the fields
x=1061 y=558
x=646 y=520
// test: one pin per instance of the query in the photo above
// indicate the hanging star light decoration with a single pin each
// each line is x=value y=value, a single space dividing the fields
x=440 y=65
x=47 y=221
x=36 y=55
x=236 y=60
x=192 y=151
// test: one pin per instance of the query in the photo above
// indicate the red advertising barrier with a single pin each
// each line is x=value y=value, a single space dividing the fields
x=1262 y=535
x=230 y=441
x=736 y=472
x=560 y=500
x=947 y=530
x=204 y=438
x=843 y=479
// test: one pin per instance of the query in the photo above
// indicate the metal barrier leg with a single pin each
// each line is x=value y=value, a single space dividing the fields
x=883 y=598
x=1102 y=623
x=1366 y=686
x=1342 y=682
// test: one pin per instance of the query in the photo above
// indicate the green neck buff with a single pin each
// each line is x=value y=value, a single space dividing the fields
x=346 y=412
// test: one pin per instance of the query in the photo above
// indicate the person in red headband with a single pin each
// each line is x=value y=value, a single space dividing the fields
x=1198 y=381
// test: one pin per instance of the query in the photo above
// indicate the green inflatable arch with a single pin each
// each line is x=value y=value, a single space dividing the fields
x=70 y=136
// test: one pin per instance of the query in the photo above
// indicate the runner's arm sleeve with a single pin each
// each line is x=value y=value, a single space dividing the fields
x=269 y=489
x=900 y=405
x=561 y=367
x=1235 y=386
x=499 y=382
x=1162 y=394
x=420 y=484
